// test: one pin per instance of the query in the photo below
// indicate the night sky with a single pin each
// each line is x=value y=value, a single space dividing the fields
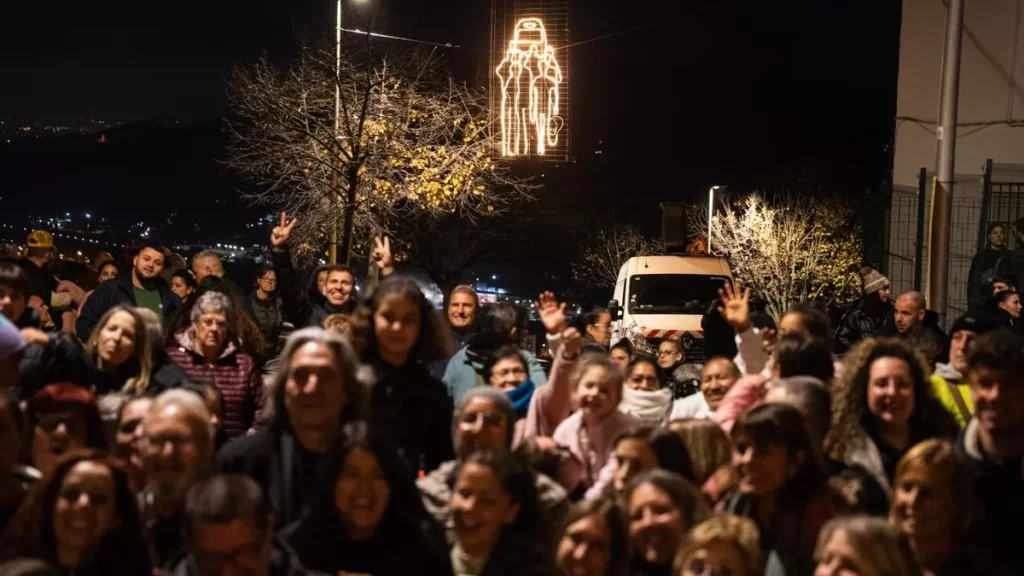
x=794 y=94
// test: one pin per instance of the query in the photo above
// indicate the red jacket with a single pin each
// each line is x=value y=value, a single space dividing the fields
x=236 y=376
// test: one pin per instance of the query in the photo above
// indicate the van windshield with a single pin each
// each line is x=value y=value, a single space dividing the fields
x=673 y=293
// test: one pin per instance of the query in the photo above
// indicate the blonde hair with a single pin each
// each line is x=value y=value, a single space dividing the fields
x=947 y=469
x=739 y=533
x=143 y=352
x=875 y=542
x=707 y=444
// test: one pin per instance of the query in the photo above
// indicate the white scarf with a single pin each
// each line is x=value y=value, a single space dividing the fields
x=650 y=408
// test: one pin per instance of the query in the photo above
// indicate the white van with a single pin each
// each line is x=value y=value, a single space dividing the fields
x=656 y=297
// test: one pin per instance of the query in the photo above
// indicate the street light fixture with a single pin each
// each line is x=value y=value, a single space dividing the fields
x=711 y=213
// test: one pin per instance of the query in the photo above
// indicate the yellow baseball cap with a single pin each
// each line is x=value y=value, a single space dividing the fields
x=40 y=239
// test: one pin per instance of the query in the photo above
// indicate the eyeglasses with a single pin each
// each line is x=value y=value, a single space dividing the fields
x=702 y=568
x=50 y=422
x=158 y=441
x=129 y=426
x=516 y=371
x=490 y=419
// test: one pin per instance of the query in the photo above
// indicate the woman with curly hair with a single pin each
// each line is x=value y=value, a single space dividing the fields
x=81 y=518
x=885 y=392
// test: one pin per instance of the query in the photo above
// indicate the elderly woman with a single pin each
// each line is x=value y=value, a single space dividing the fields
x=208 y=351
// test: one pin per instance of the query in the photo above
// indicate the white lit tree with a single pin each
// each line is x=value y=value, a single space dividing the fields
x=607 y=249
x=788 y=250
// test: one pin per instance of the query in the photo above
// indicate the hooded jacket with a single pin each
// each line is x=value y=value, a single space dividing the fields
x=945 y=377
x=118 y=291
x=304 y=304
x=234 y=373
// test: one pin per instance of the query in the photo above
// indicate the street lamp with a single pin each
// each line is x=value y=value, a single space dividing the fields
x=711 y=213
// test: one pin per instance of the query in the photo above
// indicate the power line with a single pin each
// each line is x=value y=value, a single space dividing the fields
x=402 y=38
x=621 y=32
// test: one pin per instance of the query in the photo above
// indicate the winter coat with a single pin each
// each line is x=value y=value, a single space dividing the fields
x=118 y=291
x=283 y=562
x=269 y=316
x=465 y=370
x=413 y=410
x=861 y=323
x=595 y=451
x=436 y=491
x=947 y=381
x=988 y=263
x=304 y=304
x=234 y=373
x=550 y=404
x=278 y=463
x=998 y=485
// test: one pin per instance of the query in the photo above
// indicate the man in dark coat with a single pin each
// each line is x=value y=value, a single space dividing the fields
x=144 y=287
x=871 y=316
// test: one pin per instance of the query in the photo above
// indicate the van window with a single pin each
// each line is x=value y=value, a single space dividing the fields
x=673 y=293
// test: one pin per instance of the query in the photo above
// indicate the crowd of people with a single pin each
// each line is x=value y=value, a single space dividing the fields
x=166 y=424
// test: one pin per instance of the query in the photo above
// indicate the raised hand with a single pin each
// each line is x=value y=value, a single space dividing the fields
x=552 y=314
x=279 y=235
x=572 y=343
x=382 y=252
x=735 y=306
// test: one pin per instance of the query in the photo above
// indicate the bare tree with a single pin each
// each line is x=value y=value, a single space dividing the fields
x=789 y=250
x=600 y=259
x=410 y=138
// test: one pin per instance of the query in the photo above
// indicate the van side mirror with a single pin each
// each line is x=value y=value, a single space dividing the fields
x=615 y=310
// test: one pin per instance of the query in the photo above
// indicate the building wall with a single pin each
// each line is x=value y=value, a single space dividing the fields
x=991 y=79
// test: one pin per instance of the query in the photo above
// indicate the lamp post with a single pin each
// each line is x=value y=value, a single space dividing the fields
x=711 y=213
x=333 y=252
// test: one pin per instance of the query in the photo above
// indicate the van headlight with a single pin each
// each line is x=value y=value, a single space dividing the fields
x=639 y=340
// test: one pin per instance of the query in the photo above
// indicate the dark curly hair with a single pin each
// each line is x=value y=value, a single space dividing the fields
x=929 y=418
x=434 y=341
x=123 y=550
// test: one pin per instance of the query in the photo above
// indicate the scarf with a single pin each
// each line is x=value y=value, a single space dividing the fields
x=651 y=408
x=520 y=398
x=465 y=565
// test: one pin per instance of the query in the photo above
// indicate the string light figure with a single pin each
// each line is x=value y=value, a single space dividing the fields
x=530 y=90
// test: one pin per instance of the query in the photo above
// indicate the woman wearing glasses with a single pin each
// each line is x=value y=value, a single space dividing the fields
x=62 y=417
x=267 y=310
x=209 y=351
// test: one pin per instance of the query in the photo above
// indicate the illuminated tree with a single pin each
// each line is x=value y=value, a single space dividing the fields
x=789 y=250
x=410 y=139
x=607 y=249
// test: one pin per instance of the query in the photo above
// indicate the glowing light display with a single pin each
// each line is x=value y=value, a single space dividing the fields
x=530 y=81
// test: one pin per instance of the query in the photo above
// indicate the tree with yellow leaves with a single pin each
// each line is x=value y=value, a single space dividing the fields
x=788 y=250
x=410 y=140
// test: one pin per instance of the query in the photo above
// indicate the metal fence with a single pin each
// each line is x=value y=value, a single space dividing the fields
x=978 y=202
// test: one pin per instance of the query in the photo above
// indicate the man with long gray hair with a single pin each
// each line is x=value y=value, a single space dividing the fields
x=316 y=392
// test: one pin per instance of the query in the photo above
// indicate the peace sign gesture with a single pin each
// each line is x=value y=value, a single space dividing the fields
x=382 y=253
x=279 y=235
x=735 y=306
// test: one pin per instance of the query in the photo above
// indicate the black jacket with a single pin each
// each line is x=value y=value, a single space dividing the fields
x=276 y=461
x=861 y=323
x=269 y=316
x=413 y=410
x=118 y=291
x=283 y=562
x=305 y=305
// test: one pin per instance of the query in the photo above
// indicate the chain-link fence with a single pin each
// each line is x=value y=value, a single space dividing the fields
x=979 y=202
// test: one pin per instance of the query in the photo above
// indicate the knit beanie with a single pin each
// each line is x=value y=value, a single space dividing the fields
x=872 y=281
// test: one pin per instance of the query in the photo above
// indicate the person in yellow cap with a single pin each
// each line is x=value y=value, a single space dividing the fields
x=44 y=289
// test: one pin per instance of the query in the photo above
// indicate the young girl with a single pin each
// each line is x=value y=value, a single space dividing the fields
x=407 y=404
x=498 y=530
x=782 y=487
x=594 y=541
x=590 y=432
x=366 y=516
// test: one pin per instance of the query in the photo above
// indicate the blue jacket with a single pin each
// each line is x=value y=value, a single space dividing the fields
x=462 y=373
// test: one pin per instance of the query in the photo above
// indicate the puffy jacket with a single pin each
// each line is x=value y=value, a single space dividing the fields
x=269 y=316
x=234 y=373
x=118 y=291
x=861 y=323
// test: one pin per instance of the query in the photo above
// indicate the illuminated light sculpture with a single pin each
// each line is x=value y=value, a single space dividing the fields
x=530 y=82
